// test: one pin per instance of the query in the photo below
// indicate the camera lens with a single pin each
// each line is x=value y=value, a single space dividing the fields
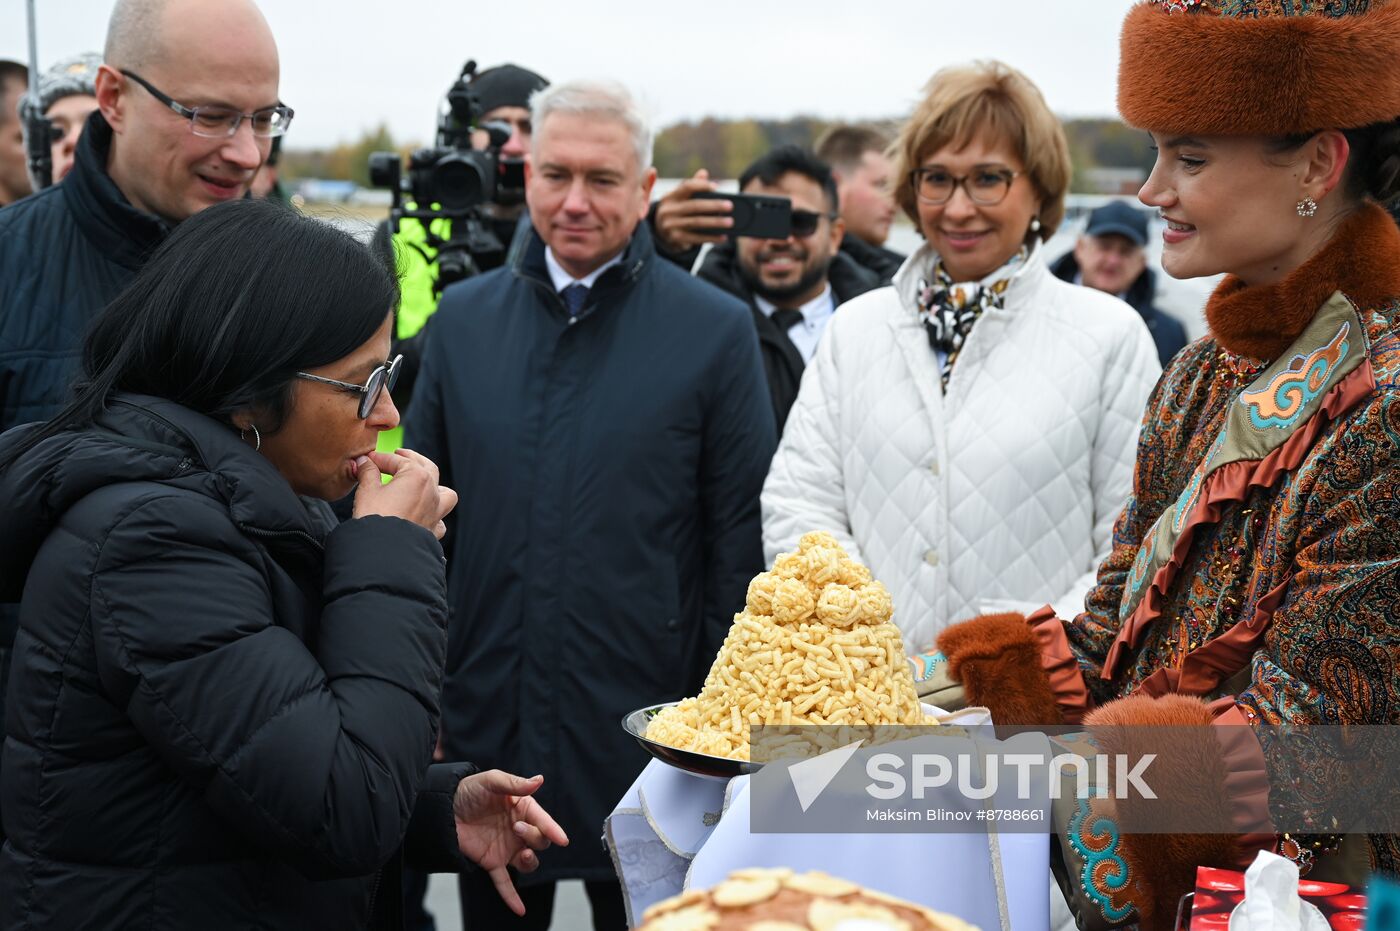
x=458 y=182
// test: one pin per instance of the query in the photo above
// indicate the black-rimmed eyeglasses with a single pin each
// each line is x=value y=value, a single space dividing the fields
x=985 y=185
x=380 y=380
x=215 y=122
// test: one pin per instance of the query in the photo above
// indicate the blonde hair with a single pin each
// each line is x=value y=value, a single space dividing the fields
x=991 y=100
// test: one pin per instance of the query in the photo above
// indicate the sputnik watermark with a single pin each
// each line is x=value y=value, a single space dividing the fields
x=933 y=771
x=975 y=776
x=811 y=777
x=835 y=778
x=941 y=783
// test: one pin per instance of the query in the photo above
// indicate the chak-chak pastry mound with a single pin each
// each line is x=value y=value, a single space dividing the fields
x=813 y=645
x=779 y=900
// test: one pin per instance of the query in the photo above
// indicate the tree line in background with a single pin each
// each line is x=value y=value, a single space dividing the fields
x=726 y=147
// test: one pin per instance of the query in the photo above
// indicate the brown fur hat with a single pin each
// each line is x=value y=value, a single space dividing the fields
x=1266 y=67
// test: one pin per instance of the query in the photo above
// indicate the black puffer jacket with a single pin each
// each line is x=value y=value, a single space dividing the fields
x=222 y=706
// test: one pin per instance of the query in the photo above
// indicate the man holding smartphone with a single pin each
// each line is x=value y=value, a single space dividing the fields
x=793 y=285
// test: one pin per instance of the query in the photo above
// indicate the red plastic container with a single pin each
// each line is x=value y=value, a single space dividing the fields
x=1219 y=891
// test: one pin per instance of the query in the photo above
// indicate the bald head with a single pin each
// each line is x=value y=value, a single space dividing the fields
x=200 y=54
x=145 y=34
x=131 y=33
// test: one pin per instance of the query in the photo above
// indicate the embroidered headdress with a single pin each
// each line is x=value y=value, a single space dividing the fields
x=1267 y=67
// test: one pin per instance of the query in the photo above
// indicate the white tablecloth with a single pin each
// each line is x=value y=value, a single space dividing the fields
x=673 y=830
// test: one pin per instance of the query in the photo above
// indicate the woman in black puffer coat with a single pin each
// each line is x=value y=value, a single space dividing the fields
x=223 y=704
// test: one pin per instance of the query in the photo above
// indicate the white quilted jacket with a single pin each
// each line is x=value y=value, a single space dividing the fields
x=1000 y=494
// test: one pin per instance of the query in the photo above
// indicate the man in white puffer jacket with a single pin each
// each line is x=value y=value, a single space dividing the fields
x=999 y=489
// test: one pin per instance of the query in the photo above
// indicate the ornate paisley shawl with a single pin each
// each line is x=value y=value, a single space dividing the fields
x=1267 y=433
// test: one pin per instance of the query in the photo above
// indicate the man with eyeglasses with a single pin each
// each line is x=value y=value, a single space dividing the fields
x=792 y=285
x=187 y=110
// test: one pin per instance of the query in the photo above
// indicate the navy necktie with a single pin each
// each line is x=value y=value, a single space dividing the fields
x=574 y=296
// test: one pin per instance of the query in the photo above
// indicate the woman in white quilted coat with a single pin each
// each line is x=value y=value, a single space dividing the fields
x=968 y=433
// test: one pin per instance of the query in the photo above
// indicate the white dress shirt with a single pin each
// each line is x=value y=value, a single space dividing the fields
x=563 y=279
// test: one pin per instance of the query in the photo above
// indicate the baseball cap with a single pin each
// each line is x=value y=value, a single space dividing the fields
x=1118 y=218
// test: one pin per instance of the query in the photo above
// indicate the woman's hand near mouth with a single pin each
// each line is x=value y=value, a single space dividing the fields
x=413 y=495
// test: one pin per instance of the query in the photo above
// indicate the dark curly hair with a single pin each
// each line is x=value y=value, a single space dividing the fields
x=771 y=166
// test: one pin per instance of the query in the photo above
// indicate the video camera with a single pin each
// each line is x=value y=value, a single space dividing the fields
x=454 y=181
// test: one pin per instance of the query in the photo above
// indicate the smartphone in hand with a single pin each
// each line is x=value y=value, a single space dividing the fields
x=757 y=215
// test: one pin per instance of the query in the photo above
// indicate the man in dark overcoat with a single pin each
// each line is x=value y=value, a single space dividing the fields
x=605 y=420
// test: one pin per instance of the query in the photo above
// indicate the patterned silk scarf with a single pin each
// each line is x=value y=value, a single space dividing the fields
x=950 y=309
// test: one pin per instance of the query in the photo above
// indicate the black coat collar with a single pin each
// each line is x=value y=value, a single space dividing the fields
x=877 y=259
x=114 y=227
x=529 y=262
x=147 y=439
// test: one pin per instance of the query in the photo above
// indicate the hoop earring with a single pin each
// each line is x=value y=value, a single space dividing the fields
x=1307 y=207
x=257 y=437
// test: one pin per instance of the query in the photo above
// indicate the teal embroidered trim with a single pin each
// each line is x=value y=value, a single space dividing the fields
x=926 y=664
x=1192 y=491
x=1104 y=877
x=1137 y=575
x=1281 y=402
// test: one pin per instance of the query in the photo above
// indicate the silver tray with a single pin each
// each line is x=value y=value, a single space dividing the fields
x=699 y=764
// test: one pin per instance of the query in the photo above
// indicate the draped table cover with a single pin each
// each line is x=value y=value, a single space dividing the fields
x=673 y=831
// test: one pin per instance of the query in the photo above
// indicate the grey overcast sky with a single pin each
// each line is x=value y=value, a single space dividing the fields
x=348 y=65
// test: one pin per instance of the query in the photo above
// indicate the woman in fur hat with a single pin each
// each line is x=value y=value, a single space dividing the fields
x=1255 y=576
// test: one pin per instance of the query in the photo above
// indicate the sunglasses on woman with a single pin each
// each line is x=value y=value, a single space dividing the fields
x=379 y=380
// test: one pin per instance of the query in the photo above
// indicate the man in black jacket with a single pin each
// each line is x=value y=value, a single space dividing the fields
x=146 y=161
x=792 y=285
x=1111 y=256
x=187 y=104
